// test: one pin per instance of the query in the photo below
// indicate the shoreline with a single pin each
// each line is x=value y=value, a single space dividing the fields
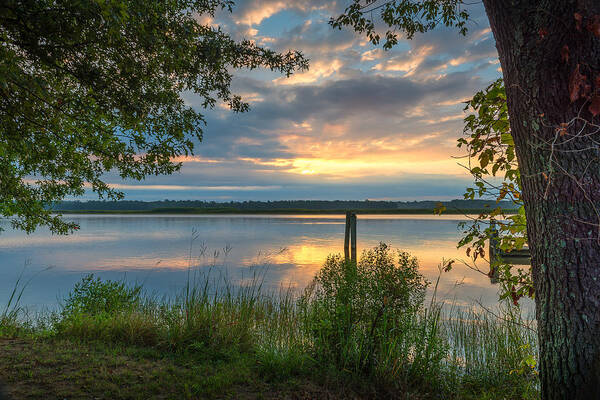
x=228 y=211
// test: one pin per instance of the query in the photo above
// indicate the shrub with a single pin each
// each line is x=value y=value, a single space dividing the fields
x=93 y=296
x=369 y=317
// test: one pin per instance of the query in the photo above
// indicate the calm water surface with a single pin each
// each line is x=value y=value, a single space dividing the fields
x=158 y=251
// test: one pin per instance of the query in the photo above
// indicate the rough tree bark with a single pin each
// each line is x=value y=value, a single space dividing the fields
x=550 y=56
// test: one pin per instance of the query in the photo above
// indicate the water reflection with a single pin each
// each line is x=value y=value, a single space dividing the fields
x=288 y=250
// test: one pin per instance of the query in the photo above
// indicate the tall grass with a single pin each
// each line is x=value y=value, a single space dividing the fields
x=14 y=317
x=366 y=325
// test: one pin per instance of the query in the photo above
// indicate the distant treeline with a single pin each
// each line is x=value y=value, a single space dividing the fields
x=241 y=206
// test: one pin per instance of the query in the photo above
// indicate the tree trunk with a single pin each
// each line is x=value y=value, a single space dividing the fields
x=546 y=47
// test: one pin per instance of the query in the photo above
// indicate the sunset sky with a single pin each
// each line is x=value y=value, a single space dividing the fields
x=361 y=123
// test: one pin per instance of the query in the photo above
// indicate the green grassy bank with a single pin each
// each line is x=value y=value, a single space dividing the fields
x=359 y=331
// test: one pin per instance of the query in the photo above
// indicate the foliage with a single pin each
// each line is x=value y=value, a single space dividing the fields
x=528 y=364
x=491 y=153
x=92 y=86
x=93 y=296
x=407 y=16
x=366 y=317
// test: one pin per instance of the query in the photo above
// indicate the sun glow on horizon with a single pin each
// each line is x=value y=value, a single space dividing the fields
x=368 y=166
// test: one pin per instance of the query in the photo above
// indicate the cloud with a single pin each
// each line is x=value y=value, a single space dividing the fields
x=368 y=127
x=408 y=62
x=253 y=12
x=318 y=70
x=387 y=97
x=361 y=123
x=121 y=186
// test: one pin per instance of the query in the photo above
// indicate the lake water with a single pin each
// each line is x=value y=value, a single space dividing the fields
x=287 y=250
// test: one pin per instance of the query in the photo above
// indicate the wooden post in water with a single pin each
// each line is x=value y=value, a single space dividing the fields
x=353 y=234
x=350 y=237
x=493 y=252
x=347 y=237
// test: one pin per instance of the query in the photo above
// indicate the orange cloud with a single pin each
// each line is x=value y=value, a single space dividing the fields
x=318 y=70
x=363 y=167
x=256 y=15
x=408 y=63
x=194 y=159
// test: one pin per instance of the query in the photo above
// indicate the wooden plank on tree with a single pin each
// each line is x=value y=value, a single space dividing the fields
x=519 y=257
